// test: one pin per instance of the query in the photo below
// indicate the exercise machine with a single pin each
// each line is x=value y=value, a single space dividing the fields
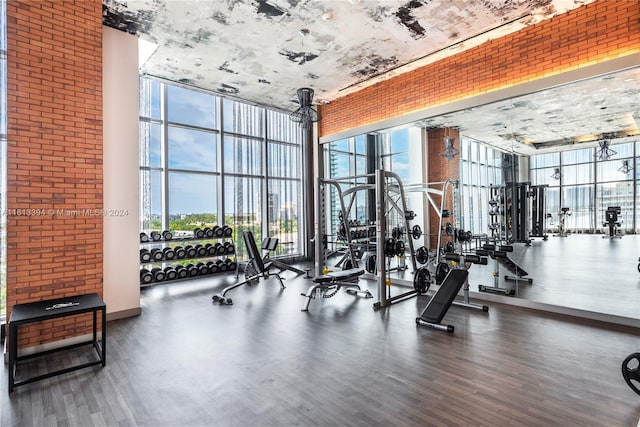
x=269 y=244
x=538 y=211
x=611 y=221
x=509 y=212
x=327 y=285
x=499 y=253
x=255 y=260
x=444 y=297
x=562 y=228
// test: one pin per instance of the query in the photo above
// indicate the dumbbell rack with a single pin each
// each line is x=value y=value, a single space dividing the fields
x=222 y=250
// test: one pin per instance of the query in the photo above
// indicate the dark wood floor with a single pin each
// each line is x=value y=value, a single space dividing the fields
x=187 y=362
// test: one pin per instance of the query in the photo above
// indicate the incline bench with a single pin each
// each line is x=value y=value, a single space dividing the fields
x=329 y=284
x=33 y=312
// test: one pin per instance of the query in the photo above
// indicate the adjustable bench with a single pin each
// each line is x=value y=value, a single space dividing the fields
x=327 y=285
x=440 y=303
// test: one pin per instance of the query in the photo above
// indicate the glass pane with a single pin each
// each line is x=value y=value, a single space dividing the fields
x=577 y=174
x=285 y=215
x=242 y=155
x=192 y=200
x=283 y=160
x=242 y=118
x=616 y=194
x=149 y=98
x=361 y=141
x=399 y=163
x=242 y=210
x=464 y=149
x=400 y=141
x=339 y=164
x=150 y=144
x=579 y=199
x=340 y=145
x=191 y=107
x=361 y=166
x=150 y=201
x=609 y=171
x=623 y=150
x=281 y=128
x=192 y=149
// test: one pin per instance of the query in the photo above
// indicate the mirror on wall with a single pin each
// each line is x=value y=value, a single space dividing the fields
x=570 y=157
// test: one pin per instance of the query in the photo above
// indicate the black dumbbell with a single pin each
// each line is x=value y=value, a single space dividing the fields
x=180 y=252
x=198 y=233
x=155 y=236
x=229 y=248
x=170 y=273
x=231 y=264
x=227 y=231
x=213 y=267
x=201 y=250
x=192 y=269
x=222 y=266
x=208 y=232
x=168 y=253
x=191 y=251
x=202 y=269
x=218 y=231
x=220 y=249
x=145 y=276
x=211 y=249
x=182 y=271
x=144 y=238
x=158 y=274
x=145 y=255
x=167 y=235
x=157 y=254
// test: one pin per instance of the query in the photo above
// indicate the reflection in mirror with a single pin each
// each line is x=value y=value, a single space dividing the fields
x=550 y=138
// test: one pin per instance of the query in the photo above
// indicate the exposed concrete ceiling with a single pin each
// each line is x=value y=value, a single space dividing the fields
x=262 y=51
x=257 y=50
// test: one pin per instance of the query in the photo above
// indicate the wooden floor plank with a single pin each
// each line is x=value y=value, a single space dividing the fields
x=188 y=362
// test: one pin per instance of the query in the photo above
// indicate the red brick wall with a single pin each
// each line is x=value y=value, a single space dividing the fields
x=54 y=156
x=440 y=169
x=602 y=30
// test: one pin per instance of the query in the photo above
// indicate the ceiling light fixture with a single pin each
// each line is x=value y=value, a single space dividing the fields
x=625 y=168
x=449 y=152
x=604 y=152
x=556 y=173
x=305 y=115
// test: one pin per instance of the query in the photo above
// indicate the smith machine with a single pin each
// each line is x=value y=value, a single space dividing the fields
x=373 y=246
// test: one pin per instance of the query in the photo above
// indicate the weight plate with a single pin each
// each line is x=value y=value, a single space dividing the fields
x=442 y=269
x=422 y=255
x=449 y=247
x=370 y=264
x=397 y=232
x=347 y=264
x=630 y=371
x=399 y=248
x=448 y=228
x=422 y=280
x=416 y=232
x=389 y=247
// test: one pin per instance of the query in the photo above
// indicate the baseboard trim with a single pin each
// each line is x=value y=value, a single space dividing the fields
x=123 y=314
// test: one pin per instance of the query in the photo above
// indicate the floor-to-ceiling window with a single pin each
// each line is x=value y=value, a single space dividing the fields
x=480 y=167
x=588 y=185
x=206 y=160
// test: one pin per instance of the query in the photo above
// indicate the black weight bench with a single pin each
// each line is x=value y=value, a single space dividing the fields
x=259 y=269
x=327 y=285
x=439 y=304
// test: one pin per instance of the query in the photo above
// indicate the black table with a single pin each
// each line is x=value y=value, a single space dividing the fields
x=23 y=314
